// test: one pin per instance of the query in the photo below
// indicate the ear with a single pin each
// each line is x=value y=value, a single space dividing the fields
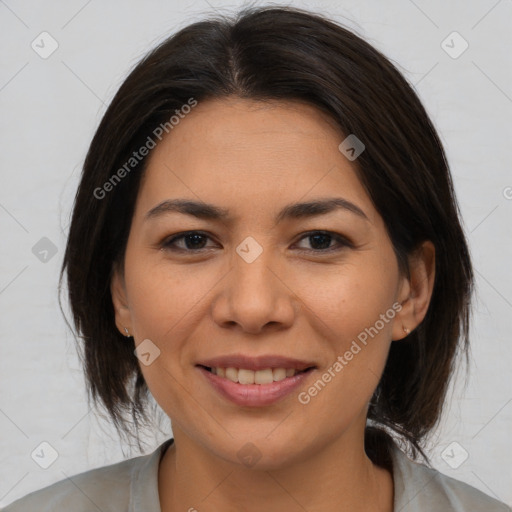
x=120 y=302
x=416 y=291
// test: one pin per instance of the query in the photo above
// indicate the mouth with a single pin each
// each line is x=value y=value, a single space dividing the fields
x=254 y=388
x=246 y=376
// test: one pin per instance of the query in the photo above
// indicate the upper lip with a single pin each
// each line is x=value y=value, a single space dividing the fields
x=255 y=363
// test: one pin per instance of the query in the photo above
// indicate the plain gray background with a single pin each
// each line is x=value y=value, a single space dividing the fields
x=50 y=108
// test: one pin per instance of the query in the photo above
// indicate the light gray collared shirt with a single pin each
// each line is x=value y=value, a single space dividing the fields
x=132 y=486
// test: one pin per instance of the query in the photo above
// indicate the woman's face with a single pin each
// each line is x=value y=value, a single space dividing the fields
x=256 y=283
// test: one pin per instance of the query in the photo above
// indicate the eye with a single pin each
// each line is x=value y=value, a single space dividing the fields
x=321 y=241
x=193 y=240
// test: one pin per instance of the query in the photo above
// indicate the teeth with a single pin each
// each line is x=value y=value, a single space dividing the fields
x=260 y=377
x=243 y=376
x=279 y=374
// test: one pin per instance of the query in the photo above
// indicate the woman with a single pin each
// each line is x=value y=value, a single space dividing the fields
x=266 y=239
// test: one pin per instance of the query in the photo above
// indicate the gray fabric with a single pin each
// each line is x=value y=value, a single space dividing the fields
x=132 y=486
x=419 y=488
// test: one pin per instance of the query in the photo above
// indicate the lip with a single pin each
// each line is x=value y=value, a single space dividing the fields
x=256 y=363
x=254 y=395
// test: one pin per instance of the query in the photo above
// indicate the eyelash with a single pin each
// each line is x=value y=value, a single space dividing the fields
x=342 y=242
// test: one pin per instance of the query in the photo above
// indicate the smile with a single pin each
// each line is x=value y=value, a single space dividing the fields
x=250 y=388
x=245 y=376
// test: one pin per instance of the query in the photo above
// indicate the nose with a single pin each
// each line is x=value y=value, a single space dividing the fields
x=254 y=297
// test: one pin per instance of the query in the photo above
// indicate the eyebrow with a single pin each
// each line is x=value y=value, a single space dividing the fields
x=208 y=211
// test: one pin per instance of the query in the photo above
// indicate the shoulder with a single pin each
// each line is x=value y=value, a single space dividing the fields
x=106 y=488
x=420 y=488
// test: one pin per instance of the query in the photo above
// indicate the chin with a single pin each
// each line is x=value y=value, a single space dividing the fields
x=263 y=460
x=261 y=454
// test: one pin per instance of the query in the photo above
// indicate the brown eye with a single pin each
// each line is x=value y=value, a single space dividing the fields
x=193 y=241
x=321 y=241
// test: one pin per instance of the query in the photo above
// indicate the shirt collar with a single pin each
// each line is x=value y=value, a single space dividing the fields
x=144 y=496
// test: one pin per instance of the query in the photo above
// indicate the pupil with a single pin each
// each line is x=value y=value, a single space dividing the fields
x=325 y=238
x=319 y=241
x=196 y=238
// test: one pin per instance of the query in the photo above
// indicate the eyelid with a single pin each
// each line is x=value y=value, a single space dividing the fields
x=166 y=243
x=342 y=241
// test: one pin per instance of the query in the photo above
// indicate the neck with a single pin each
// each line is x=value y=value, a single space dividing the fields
x=339 y=478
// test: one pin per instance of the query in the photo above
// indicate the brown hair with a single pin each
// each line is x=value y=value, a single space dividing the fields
x=280 y=54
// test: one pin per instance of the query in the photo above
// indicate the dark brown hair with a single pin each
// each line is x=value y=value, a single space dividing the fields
x=269 y=53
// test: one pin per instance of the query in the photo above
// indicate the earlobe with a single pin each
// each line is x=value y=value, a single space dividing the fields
x=402 y=325
x=417 y=292
x=119 y=301
x=422 y=279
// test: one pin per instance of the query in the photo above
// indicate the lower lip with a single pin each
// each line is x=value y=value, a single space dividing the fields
x=254 y=395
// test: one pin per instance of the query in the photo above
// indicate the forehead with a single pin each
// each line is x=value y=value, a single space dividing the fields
x=251 y=154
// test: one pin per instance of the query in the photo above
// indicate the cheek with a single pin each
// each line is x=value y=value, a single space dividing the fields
x=165 y=306
x=165 y=298
x=348 y=299
x=167 y=303
x=353 y=311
